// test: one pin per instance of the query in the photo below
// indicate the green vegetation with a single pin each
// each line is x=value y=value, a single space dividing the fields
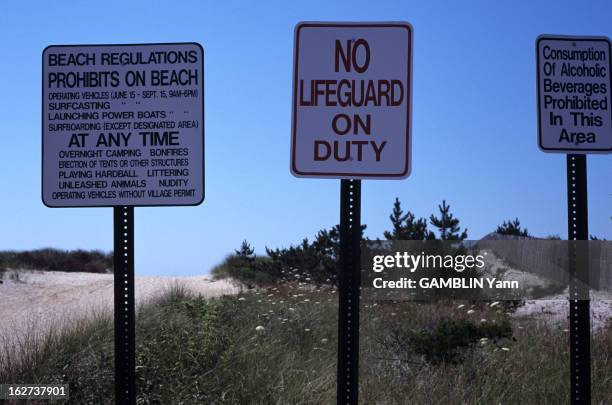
x=247 y=268
x=532 y=367
x=447 y=224
x=278 y=346
x=406 y=226
x=314 y=262
x=277 y=342
x=446 y=341
x=513 y=228
x=317 y=262
x=57 y=260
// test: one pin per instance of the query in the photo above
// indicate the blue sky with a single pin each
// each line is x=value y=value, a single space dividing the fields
x=474 y=123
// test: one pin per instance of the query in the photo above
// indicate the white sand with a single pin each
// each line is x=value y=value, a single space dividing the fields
x=41 y=299
x=555 y=310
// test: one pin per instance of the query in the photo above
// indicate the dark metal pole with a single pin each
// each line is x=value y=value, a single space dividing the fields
x=125 y=328
x=349 y=281
x=580 y=325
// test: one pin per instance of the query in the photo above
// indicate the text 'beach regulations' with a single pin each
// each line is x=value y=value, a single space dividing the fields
x=123 y=125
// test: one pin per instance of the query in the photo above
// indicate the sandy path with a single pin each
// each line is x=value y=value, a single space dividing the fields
x=42 y=299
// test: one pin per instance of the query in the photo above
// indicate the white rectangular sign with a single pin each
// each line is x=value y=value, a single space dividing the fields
x=352 y=90
x=574 y=112
x=123 y=125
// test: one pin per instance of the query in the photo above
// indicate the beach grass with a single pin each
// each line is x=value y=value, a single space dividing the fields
x=279 y=345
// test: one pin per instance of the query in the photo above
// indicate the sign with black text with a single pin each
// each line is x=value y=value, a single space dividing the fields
x=574 y=112
x=352 y=91
x=123 y=125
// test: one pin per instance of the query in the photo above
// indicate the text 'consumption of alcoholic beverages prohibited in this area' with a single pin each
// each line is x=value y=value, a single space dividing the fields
x=574 y=112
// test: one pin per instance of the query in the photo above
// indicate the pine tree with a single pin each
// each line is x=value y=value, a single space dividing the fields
x=245 y=252
x=512 y=227
x=447 y=225
x=406 y=226
x=397 y=217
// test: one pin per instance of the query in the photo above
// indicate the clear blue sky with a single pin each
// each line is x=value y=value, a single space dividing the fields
x=474 y=123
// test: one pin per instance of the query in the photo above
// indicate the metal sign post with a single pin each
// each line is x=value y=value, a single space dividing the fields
x=123 y=127
x=125 y=320
x=349 y=281
x=351 y=120
x=580 y=326
x=575 y=118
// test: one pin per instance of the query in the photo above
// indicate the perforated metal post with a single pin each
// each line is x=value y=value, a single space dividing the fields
x=580 y=325
x=125 y=328
x=349 y=281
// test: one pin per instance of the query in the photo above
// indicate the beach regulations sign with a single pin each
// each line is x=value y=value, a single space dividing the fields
x=123 y=125
x=574 y=111
x=352 y=86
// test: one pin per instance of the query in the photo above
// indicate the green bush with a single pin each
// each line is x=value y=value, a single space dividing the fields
x=447 y=340
x=256 y=272
x=92 y=261
x=246 y=268
x=315 y=262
